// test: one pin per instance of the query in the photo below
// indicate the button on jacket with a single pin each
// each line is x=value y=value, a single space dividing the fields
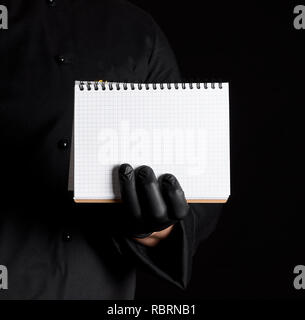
x=53 y=248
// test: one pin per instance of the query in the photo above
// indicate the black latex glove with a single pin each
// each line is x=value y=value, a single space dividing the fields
x=151 y=205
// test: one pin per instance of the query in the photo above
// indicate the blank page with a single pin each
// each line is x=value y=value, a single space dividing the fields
x=179 y=129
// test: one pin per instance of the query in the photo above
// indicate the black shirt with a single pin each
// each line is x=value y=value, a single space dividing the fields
x=53 y=248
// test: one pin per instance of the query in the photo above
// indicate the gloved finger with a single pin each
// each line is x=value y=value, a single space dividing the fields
x=152 y=203
x=174 y=197
x=128 y=190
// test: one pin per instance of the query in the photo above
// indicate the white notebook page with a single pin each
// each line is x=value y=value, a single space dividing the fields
x=180 y=131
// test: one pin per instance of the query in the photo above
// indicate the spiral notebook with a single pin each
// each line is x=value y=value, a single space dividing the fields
x=182 y=129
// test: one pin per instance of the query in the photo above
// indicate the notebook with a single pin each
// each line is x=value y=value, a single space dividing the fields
x=182 y=129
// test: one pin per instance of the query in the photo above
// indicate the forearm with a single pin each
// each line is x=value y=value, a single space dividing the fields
x=155 y=238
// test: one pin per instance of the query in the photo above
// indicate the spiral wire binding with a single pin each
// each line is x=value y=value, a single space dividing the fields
x=146 y=86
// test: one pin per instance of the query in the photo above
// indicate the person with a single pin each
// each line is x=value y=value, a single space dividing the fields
x=52 y=247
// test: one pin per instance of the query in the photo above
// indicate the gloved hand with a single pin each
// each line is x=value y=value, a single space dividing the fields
x=151 y=205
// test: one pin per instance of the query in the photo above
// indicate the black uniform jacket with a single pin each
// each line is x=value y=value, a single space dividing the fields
x=53 y=248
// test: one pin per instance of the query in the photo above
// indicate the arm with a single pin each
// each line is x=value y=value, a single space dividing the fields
x=168 y=252
x=155 y=238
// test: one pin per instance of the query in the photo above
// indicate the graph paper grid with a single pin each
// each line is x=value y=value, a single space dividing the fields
x=182 y=131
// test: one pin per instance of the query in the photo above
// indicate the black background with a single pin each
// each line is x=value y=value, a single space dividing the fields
x=260 y=237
